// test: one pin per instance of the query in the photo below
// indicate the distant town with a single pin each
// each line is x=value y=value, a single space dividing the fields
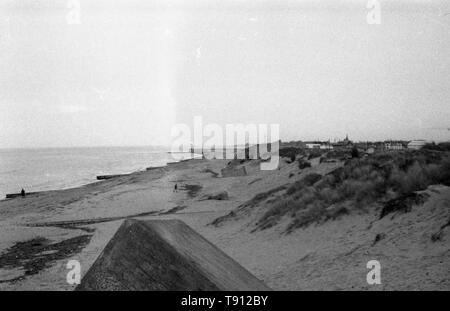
x=368 y=146
x=345 y=147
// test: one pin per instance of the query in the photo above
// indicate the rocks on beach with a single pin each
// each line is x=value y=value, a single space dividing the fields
x=222 y=195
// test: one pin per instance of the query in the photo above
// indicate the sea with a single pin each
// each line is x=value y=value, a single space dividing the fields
x=62 y=168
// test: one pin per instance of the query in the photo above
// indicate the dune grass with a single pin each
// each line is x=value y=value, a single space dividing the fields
x=359 y=184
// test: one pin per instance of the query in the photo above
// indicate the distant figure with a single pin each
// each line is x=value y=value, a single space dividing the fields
x=175 y=189
x=22 y=193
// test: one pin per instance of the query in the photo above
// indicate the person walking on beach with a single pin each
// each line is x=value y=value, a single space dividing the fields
x=175 y=189
x=22 y=193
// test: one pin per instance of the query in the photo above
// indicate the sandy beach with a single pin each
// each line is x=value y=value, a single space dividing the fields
x=40 y=233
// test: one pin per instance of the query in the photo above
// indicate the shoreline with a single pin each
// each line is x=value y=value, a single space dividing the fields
x=5 y=197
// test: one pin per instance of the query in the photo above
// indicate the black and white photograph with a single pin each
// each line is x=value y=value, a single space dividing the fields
x=235 y=146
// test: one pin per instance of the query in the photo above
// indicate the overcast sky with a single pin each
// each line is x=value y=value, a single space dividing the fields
x=131 y=69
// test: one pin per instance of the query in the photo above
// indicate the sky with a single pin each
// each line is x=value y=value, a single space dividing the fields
x=123 y=73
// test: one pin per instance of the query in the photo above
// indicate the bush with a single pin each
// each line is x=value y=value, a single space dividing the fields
x=443 y=174
x=329 y=195
x=311 y=214
x=306 y=181
x=403 y=203
x=315 y=153
x=290 y=152
x=338 y=154
x=302 y=164
x=275 y=213
x=437 y=147
x=336 y=212
x=355 y=152
x=311 y=179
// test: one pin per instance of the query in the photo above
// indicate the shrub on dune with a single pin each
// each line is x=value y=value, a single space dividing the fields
x=312 y=213
x=306 y=181
x=302 y=164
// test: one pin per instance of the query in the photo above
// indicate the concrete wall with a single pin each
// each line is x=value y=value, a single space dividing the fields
x=233 y=171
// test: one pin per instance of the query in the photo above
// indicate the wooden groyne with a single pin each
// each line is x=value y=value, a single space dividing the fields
x=104 y=177
x=16 y=195
x=153 y=168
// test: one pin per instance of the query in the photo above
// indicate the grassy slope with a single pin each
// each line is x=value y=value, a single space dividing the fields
x=387 y=179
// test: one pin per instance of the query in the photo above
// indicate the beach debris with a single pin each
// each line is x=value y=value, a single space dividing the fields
x=236 y=162
x=173 y=210
x=255 y=180
x=404 y=203
x=437 y=236
x=74 y=224
x=165 y=255
x=378 y=238
x=39 y=253
x=208 y=170
x=222 y=195
x=192 y=189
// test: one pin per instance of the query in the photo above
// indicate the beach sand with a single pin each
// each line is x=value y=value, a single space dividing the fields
x=57 y=226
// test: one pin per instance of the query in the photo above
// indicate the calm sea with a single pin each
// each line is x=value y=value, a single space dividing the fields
x=60 y=168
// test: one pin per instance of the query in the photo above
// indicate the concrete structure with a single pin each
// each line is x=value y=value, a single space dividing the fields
x=417 y=144
x=232 y=171
x=165 y=255
x=18 y=195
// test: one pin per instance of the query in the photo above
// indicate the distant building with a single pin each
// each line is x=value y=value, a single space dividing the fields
x=326 y=146
x=346 y=140
x=346 y=143
x=417 y=144
x=318 y=145
x=313 y=145
x=370 y=150
x=294 y=144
